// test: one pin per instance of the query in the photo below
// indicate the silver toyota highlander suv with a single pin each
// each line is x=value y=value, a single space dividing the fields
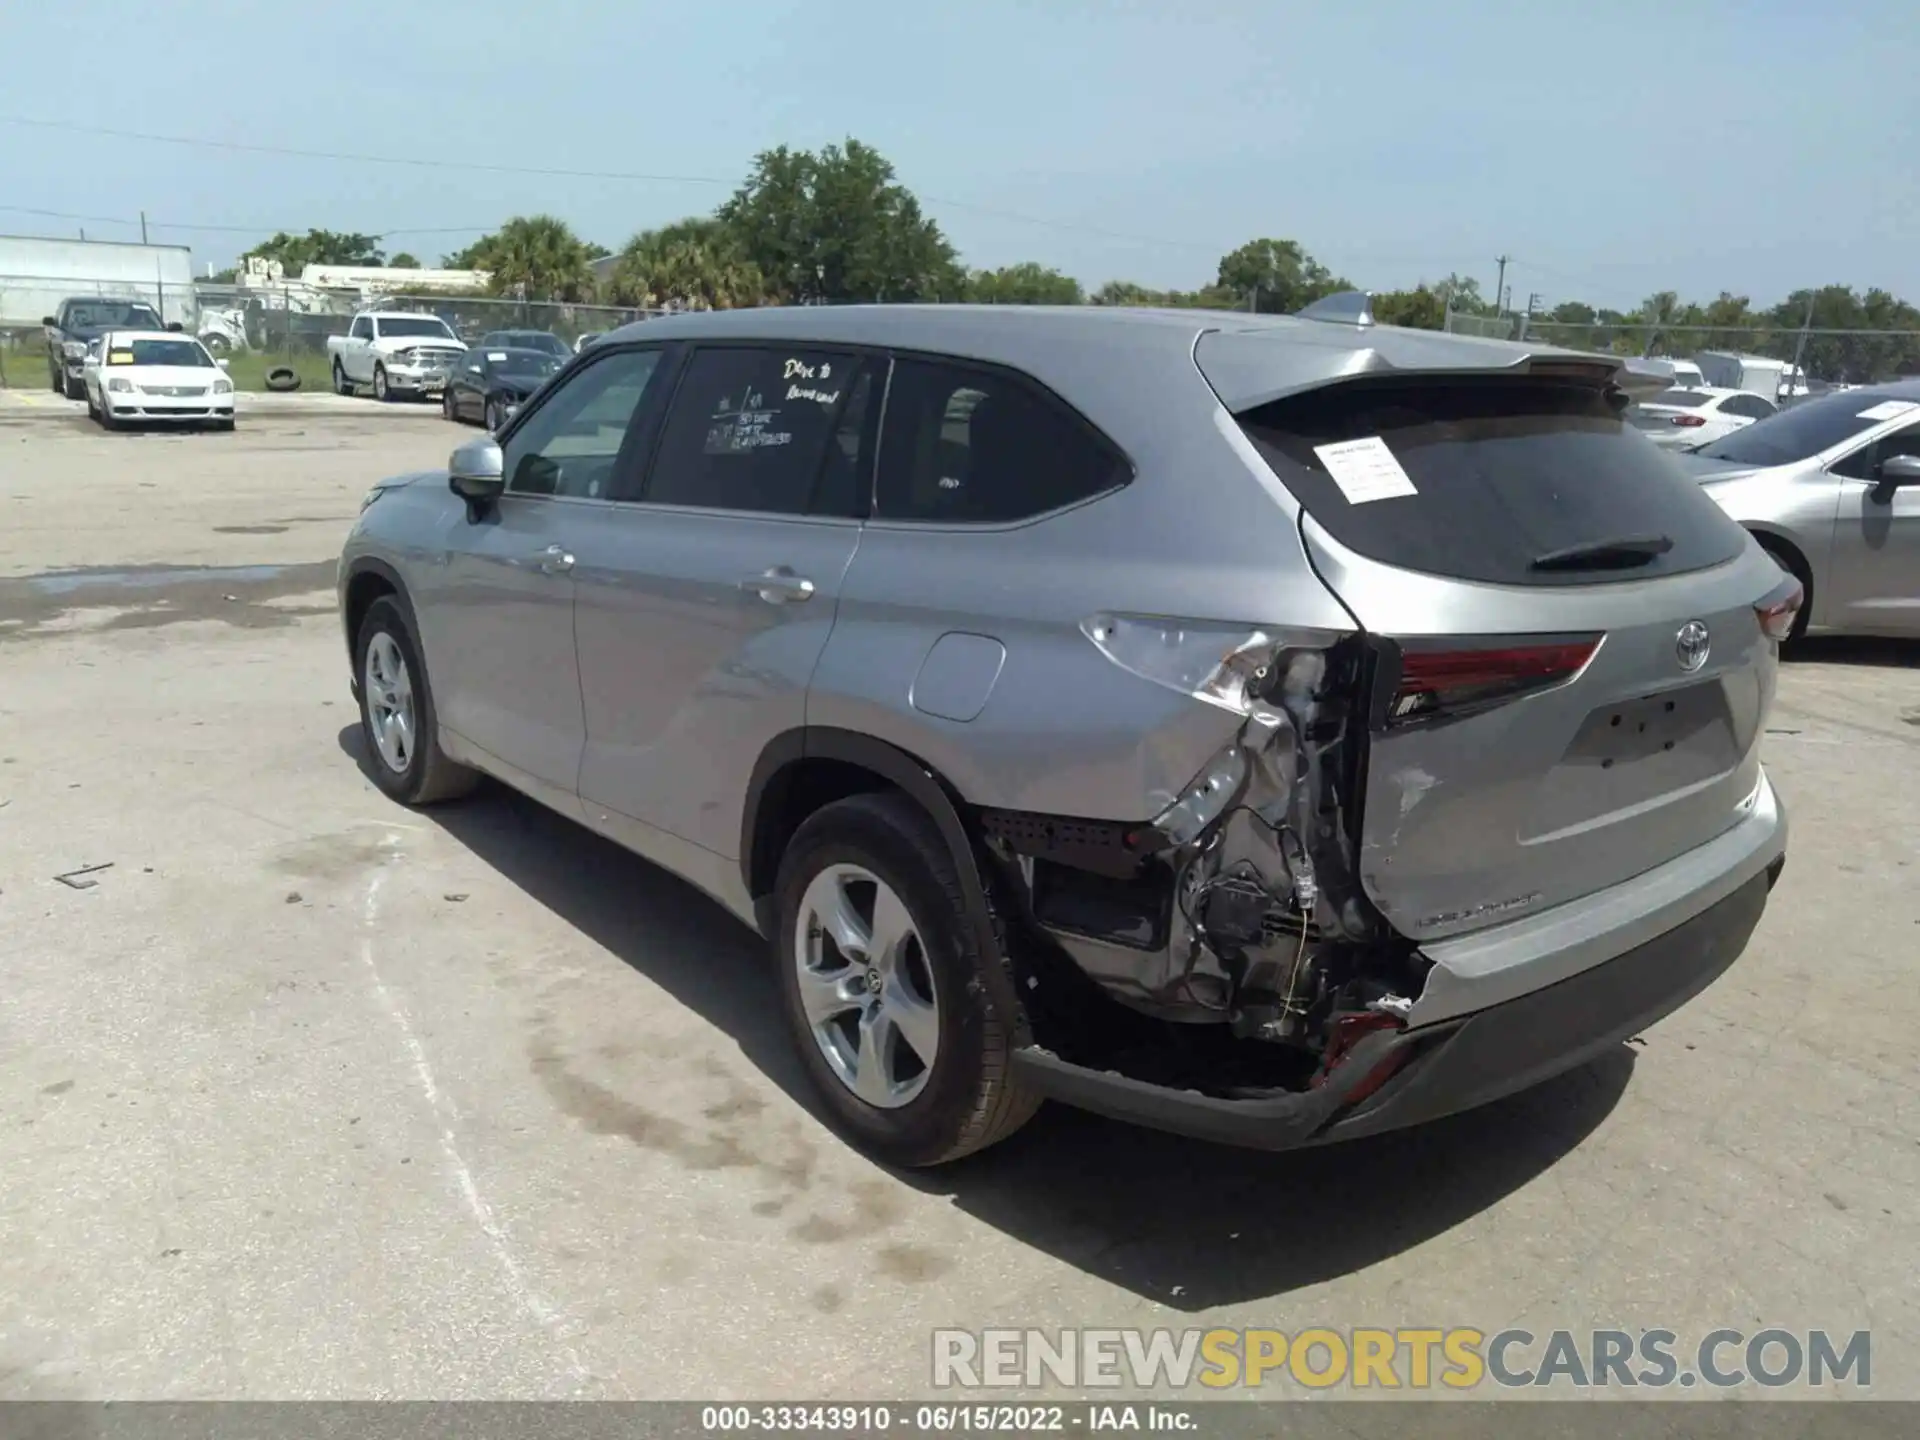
x=1275 y=729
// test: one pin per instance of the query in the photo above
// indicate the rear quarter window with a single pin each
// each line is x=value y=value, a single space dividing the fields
x=1503 y=472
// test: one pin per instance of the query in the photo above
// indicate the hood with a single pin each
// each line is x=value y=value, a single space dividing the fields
x=202 y=375
x=396 y=482
x=387 y=344
x=1706 y=470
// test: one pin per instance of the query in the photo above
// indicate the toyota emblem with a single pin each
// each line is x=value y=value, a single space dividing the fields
x=1692 y=645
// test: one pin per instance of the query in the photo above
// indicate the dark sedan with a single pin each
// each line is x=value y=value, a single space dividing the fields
x=487 y=384
x=542 y=340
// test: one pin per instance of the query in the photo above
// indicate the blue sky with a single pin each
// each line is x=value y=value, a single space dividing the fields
x=1611 y=149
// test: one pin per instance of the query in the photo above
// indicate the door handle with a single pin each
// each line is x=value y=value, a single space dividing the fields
x=555 y=560
x=778 y=585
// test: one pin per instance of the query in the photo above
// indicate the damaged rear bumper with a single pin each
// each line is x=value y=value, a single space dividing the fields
x=1443 y=1068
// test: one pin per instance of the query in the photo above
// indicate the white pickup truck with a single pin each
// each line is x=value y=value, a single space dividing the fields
x=396 y=353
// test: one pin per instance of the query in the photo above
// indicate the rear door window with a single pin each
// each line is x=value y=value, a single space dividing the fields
x=1496 y=475
x=965 y=445
x=748 y=428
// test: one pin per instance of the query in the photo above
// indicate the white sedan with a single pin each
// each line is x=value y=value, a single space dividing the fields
x=1682 y=419
x=140 y=375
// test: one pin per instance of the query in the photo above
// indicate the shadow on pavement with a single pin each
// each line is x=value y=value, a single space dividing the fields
x=1870 y=650
x=1187 y=1224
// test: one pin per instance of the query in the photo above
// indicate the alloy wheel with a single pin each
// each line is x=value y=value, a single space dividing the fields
x=390 y=712
x=866 y=986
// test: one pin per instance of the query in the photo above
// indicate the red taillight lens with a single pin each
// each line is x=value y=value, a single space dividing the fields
x=1448 y=682
x=1689 y=421
x=1779 y=608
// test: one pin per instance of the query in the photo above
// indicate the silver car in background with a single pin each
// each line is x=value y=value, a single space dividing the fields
x=1830 y=488
x=1274 y=729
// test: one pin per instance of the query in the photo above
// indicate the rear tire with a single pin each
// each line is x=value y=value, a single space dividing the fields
x=418 y=771
x=966 y=1095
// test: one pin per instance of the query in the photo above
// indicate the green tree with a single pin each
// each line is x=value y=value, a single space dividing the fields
x=1126 y=292
x=837 y=226
x=1277 y=275
x=534 y=257
x=1421 y=308
x=405 y=260
x=1024 y=284
x=317 y=247
x=691 y=264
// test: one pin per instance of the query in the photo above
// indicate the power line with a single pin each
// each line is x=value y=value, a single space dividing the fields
x=634 y=176
x=422 y=162
x=232 y=229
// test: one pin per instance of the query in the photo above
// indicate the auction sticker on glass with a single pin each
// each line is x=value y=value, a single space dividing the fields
x=1365 y=470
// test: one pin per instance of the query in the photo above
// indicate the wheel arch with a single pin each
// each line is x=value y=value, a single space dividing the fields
x=1787 y=547
x=801 y=769
x=367 y=580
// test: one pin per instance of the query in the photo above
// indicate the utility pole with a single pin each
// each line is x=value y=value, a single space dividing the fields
x=143 y=227
x=1500 y=286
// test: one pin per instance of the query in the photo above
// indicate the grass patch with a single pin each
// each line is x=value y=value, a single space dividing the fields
x=248 y=369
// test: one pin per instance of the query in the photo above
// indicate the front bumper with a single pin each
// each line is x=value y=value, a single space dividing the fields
x=416 y=377
x=1451 y=1066
x=165 y=407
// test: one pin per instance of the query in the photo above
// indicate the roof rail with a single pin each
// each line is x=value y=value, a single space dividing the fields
x=1348 y=307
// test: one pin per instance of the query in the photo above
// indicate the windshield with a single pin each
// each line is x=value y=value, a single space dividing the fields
x=99 y=314
x=160 y=352
x=1806 y=429
x=522 y=362
x=424 y=325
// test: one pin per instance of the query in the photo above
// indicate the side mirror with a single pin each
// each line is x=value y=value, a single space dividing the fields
x=1891 y=473
x=50 y=322
x=476 y=473
x=1898 y=470
x=175 y=326
x=224 y=364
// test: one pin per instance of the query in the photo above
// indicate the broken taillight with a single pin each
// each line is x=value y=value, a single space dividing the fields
x=1221 y=664
x=1435 y=683
x=1780 y=607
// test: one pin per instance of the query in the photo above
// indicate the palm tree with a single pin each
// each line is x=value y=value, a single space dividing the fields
x=692 y=264
x=536 y=257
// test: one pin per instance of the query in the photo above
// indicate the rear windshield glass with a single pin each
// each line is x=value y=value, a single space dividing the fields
x=1801 y=430
x=1688 y=398
x=1502 y=474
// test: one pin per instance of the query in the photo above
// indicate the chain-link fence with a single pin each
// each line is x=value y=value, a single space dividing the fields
x=1825 y=357
x=260 y=328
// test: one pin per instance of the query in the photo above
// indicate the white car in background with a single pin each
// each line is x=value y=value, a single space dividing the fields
x=157 y=375
x=1683 y=418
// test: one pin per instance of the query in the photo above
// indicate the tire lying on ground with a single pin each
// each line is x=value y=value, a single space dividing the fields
x=282 y=377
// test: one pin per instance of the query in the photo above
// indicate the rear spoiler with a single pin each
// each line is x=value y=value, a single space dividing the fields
x=1270 y=357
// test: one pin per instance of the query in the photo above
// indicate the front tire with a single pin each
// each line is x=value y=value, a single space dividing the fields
x=380 y=390
x=341 y=385
x=446 y=405
x=494 y=420
x=880 y=976
x=398 y=721
x=73 y=389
